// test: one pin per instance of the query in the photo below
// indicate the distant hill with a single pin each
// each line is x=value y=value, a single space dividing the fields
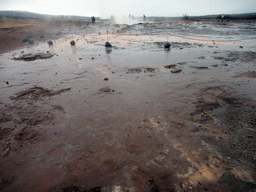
x=243 y=16
x=29 y=15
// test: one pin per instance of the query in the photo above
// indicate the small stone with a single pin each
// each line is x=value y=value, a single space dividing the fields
x=106 y=79
x=26 y=39
x=167 y=45
x=72 y=42
x=92 y=58
x=80 y=58
x=7 y=82
x=50 y=42
x=241 y=47
x=176 y=71
x=107 y=44
x=30 y=41
x=105 y=89
x=228 y=158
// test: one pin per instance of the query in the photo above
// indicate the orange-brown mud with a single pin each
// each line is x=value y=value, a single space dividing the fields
x=134 y=117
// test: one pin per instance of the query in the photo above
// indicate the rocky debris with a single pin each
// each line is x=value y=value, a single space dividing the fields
x=176 y=71
x=72 y=42
x=199 y=68
x=250 y=74
x=30 y=41
x=139 y=70
x=170 y=66
x=167 y=45
x=76 y=189
x=105 y=89
x=26 y=39
x=107 y=44
x=50 y=42
x=34 y=56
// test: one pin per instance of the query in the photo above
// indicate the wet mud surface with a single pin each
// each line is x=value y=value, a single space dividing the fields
x=134 y=117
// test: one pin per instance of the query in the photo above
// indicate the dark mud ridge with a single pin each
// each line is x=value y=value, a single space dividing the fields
x=18 y=120
x=34 y=56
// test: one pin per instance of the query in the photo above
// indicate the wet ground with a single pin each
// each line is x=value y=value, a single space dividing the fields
x=134 y=117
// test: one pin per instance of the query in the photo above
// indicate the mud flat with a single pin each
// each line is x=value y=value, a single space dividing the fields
x=134 y=117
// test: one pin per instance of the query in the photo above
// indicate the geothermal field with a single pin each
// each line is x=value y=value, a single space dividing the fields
x=132 y=117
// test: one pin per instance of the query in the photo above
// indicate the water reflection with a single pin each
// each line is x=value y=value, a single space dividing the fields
x=108 y=50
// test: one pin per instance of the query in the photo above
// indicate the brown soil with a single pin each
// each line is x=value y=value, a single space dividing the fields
x=132 y=118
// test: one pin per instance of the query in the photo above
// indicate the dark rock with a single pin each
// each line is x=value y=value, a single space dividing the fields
x=170 y=66
x=50 y=42
x=31 y=41
x=241 y=47
x=106 y=79
x=72 y=42
x=176 y=71
x=107 y=44
x=25 y=39
x=167 y=45
x=105 y=89
x=7 y=82
x=42 y=36
x=92 y=58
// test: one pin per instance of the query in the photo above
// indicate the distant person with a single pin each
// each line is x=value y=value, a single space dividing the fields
x=144 y=18
x=93 y=19
x=222 y=17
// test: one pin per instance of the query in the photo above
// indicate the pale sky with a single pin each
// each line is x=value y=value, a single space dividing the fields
x=105 y=8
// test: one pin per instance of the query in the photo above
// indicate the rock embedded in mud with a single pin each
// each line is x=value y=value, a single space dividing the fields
x=50 y=42
x=105 y=89
x=26 y=39
x=167 y=45
x=176 y=71
x=30 y=41
x=107 y=44
x=72 y=42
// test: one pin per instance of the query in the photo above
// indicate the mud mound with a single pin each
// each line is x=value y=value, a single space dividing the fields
x=250 y=74
x=244 y=56
x=140 y=70
x=227 y=183
x=36 y=93
x=33 y=56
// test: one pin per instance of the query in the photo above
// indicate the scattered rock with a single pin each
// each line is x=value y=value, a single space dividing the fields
x=107 y=44
x=170 y=66
x=50 y=42
x=105 y=89
x=26 y=39
x=31 y=41
x=241 y=47
x=176 y=71
x=199 y=68
x=106 y=79
x=72 y=42
x=7 y=82
x=167 y=45
x=42 y=36
x=92 y=58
